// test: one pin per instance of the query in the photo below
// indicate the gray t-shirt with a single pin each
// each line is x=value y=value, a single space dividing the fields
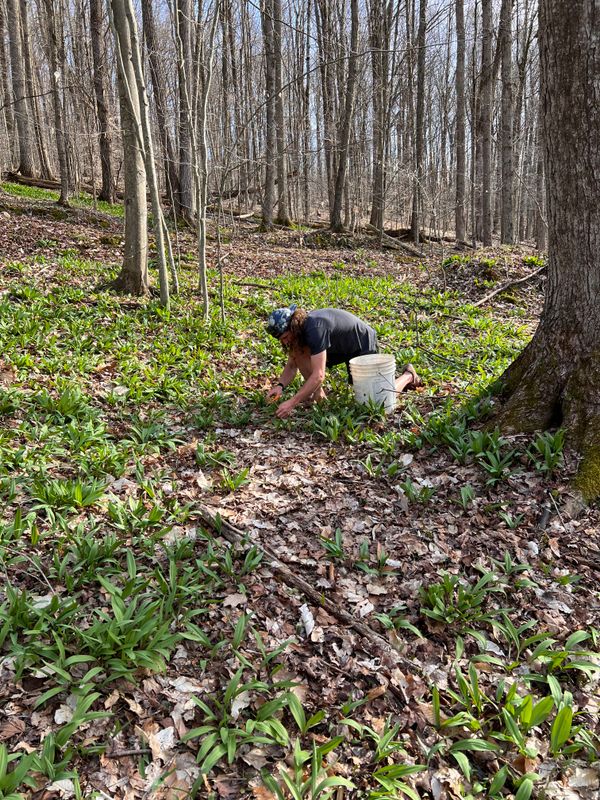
x=340 y=333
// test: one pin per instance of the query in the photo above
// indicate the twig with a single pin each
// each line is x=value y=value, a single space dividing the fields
x=136 y=751
x=508 y=285
x=253 y=285
x=37 y=568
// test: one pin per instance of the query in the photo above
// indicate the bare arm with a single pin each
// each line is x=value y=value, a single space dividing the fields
x=287 y=376
x=309 y=387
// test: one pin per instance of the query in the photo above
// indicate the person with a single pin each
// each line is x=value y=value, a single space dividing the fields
x=320 y=339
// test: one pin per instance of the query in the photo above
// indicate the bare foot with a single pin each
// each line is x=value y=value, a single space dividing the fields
x=416 y=379
x=408 y=380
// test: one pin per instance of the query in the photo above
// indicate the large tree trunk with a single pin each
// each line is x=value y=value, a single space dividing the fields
x=5 y=95
x=379 y=41
x=555 y=380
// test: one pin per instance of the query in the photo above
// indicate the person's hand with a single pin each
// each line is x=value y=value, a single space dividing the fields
x=274 y=393
x=285 y=409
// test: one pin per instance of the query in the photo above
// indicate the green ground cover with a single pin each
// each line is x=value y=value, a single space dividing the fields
x=102 y=588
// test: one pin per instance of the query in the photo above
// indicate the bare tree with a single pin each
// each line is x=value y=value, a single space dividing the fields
x=159 y=93
x=486 y=122
x=57 y=63
x=133 y=278
x=507 y=190
x=185 y=73
x=459 y=214
x=344 y=138
x=419 y=125
x=268 y=202
x=107 y=192
x=19 y=87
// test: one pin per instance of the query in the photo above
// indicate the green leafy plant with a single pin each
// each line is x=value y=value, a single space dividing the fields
x=546 y=451
x=308 y=778
x=334 y=546
x=454 y=600
x=234 y=480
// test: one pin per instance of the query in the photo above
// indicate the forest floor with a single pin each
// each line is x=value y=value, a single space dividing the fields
x=158 y=520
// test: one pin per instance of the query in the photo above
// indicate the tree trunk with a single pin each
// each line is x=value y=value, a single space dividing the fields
x=133 y=278
x=326 y=58
x=107 y=192
x=419 y=126
x=185 y=69
x=137 y=93
x=459 y=214
x=556 y=378
x=19 y=86
x=507 y=212
x=160 y=94
x=344 y=141
x=56 y=76
x=379 y=41
x=486 y=123
x=6 y=94
x=283 y=214
x=267 y=13
x=38 y=126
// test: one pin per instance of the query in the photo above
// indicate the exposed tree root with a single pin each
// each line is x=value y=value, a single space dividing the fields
x=547 y=387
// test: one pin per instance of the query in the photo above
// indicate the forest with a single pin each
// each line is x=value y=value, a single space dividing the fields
x=224 y=580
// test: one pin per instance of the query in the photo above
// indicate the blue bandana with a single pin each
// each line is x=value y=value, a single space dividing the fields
x=279 y=320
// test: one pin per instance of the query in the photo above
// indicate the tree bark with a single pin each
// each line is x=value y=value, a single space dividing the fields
x=5 y=94
x=555 y=380
x=379 y=40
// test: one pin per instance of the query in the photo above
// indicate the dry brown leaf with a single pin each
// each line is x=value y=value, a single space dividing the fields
x=12 y=727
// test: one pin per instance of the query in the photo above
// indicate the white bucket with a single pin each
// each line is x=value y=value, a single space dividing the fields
x=374 y=378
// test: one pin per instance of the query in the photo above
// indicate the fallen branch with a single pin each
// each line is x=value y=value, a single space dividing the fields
x=236 y=536
x=388 y=241
x=508 y=285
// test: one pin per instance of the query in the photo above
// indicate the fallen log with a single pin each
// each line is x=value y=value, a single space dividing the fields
x=390 y=242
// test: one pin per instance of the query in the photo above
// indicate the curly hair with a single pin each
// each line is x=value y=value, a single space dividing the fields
x=296 y=328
